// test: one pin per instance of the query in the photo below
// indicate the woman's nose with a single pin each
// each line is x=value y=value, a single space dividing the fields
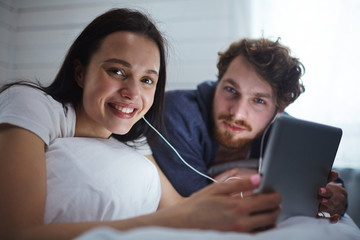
x=130 y=89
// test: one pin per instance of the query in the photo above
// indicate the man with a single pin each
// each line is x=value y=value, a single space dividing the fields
x=222 y=122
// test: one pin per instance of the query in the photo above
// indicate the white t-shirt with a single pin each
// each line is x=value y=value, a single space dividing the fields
x=38 y=112
x=88 y=179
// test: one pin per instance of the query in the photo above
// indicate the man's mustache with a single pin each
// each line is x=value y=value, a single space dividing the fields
x=241 y=123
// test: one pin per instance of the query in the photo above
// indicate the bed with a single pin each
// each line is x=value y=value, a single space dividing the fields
x=293 y=228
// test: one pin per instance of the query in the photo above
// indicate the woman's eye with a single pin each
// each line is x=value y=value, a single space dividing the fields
x=117 y=72
x=148 y=81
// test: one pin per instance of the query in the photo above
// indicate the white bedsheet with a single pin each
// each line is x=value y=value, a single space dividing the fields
x=293 y=228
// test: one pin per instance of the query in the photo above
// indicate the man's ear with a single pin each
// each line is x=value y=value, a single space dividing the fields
x=79 y=73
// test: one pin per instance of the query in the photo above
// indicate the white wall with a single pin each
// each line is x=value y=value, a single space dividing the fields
x=196 y=30
x=6 y=29
x=325 y=35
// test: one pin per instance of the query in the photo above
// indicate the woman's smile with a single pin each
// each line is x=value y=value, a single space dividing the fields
x=119 y=83
x=122 y=111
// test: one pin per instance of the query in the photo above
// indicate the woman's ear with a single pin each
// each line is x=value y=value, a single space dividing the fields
x=79 y=73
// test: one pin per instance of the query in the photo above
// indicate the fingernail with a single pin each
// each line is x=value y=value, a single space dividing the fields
x=255 y=179
x=324 y=200
x=323 y=190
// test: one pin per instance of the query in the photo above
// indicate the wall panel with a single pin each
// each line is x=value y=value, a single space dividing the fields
x=7 y=13
x=196 y=31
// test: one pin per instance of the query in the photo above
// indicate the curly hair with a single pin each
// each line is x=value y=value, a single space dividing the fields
x=273 y=62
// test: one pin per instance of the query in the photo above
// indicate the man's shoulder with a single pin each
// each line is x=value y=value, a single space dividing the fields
x=201 y=95
x=180 y=99
x=180 y=94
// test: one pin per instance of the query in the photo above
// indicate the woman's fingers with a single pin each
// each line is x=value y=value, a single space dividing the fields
x=263 y=202
x=264 y=220
x=223 y=211
x=234 y=185
x=235 y=172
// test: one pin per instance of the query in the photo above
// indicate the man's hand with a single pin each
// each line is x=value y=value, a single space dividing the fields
x=333 y=198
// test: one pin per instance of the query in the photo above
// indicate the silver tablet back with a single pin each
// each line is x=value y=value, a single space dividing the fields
x=297 y=161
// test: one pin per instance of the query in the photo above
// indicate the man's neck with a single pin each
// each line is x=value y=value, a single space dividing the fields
x=228 y=155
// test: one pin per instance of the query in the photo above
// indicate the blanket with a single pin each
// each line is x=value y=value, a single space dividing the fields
x=295 y=228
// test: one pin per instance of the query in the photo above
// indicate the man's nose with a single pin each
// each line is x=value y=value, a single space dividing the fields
x=239 y=109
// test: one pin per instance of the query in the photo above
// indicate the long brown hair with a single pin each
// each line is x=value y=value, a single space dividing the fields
x=64 y=87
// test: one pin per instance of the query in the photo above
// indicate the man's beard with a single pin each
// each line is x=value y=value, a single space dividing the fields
x=226 y=138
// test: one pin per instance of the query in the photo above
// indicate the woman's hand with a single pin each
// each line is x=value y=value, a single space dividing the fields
x=216 y=207
x=235 y=172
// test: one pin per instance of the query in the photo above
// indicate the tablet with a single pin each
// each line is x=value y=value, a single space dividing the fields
x=297 y=161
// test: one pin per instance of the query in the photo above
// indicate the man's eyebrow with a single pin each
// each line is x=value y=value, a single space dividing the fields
x=232 y=82
x=263 y=95
x=127 y=64
x=255 y=94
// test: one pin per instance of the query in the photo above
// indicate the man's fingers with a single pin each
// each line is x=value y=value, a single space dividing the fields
x=333 y=176
x=323 y=208
x=325 y=192
x=332 y=218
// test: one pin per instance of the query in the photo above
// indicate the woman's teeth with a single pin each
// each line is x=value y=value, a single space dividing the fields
x=123 y=109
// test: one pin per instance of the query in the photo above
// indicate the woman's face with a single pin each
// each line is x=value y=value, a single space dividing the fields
x=118 y=85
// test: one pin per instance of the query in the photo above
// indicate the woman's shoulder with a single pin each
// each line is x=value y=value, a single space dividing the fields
x=31 y=108
x=26 y=99
x=24 y=95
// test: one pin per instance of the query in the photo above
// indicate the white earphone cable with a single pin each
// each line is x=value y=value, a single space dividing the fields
x=187 y=164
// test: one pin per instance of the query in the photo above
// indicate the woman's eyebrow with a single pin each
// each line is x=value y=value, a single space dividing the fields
x=127 y=64
x=119 y=61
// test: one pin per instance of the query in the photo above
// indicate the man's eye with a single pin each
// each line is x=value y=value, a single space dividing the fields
x=230 y=89
x=260 y=101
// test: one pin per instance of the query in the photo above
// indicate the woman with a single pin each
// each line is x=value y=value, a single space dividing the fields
x=60 y=172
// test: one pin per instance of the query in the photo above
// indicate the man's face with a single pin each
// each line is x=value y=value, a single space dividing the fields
x=243 y=106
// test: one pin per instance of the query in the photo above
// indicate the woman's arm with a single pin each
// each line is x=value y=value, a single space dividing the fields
x=23 y=197
x=169 y=196
x=22 y=179
x=23 y=191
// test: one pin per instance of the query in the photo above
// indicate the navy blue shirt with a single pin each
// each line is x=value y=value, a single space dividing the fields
x=189 y=128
